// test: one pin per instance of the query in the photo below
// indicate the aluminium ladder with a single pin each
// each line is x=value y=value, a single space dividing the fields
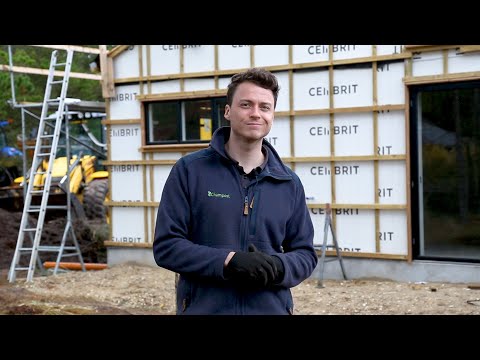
x=45 y=149
x=328 y=225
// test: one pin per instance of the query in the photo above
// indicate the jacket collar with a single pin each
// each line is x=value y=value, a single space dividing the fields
x=274 y=168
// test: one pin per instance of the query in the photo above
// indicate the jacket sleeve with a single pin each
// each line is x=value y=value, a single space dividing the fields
x=172 y=248
x=299 y=257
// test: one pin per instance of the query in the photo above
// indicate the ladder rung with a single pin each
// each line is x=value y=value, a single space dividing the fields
x=69 y=255
x=60 y=64
x=22 y=268
x=54 y=248
x=44 y=154
x=57 y=82
x=30 y=229
x=46 y=136
x=57 y=207
x=50 y=207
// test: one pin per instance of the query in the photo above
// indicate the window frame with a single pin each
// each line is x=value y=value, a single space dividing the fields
x=181 y=121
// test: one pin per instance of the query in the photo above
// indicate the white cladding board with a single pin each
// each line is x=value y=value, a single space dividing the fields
x=353 y=134
x=354 y=182
x=162 y=87
x=312 y=135
x=391 y=182
x=125 y=140
x=390 y=87
x=279 y=136
x=127 y=182
x=352 y=87
x=270 y=55
x=199 y=84
x=354 y=229
x=124 y=105
x=283 y=101
x=310 y=90
x=198 y=58
x=393 y=232
x=233 y=57
x=164 y=59
x=160 y=175
x=223 y=82
x=126 y=64
x=128 y=225
x=341 y=52
x=318 y=219
x=391 y=133
x=458 y=63
x=309 y=53
x=388 y=49
x=427 y=63
x=316 y=181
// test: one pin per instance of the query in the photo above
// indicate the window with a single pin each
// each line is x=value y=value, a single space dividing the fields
x=445 y=145
x=185 y=121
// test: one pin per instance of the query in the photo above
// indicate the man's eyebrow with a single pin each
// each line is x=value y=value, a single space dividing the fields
x=261 y=102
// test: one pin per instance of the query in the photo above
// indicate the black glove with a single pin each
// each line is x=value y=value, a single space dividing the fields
x=252 y=267
x=255 y=268
x=278 y=263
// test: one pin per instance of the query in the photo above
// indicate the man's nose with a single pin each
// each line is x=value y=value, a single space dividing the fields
x=255 y=111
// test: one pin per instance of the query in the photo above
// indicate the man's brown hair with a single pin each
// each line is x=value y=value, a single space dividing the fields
x=257 y=76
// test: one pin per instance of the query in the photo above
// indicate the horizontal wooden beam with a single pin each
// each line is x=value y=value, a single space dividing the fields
x=37 y=71
x=84 y=49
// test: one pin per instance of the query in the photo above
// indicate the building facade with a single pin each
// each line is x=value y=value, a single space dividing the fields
x=388 y=135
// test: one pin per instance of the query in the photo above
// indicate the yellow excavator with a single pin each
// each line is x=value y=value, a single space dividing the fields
x=88 y=183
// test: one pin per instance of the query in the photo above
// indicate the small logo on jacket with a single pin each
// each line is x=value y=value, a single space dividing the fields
x=214 y=194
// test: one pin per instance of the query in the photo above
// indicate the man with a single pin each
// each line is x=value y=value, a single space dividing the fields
x=233 y=220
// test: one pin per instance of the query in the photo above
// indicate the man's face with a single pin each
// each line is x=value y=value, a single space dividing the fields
x=252 y=112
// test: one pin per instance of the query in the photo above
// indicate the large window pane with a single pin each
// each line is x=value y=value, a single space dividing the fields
x=163 y=121
x=449 y=171
x=198 y=120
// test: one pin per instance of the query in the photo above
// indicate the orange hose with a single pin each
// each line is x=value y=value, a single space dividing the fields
x=74 y=265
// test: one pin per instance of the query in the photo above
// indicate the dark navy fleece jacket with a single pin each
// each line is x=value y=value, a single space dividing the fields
x=201 y=219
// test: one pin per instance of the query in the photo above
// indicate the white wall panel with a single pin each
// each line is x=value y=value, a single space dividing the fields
x=309 y=53
x=126 y=64
x=233 y=57
x=124 y=105
x=270 y=55
x=353 y=134
x=311 y=90
x=312 y=136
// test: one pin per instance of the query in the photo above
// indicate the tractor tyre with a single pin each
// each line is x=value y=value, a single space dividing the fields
x=94 y=196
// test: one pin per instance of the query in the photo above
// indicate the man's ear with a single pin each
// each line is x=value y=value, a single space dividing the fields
x=227 y=112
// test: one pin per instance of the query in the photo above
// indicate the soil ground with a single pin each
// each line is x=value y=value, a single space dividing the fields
x=133 y=289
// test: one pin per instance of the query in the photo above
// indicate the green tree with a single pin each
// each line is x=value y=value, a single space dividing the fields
x=31 y=88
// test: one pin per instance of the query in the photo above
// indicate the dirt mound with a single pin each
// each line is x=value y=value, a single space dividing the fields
x=90 y=236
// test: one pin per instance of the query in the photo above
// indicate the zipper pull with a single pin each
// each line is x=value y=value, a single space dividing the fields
x=251 y=203
x=245 y=206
